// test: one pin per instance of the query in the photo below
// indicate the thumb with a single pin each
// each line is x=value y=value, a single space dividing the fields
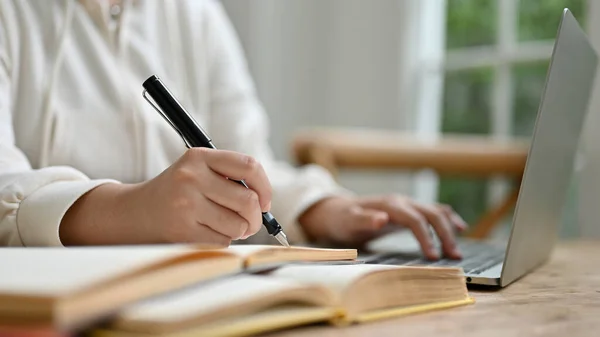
x=370 y=219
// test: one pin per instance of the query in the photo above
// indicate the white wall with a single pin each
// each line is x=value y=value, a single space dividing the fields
x=329 y=63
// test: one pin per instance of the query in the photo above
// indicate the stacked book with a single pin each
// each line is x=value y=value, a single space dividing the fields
x=187 y=290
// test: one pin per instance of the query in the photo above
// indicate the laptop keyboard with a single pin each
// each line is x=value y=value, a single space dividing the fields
x=477 y=257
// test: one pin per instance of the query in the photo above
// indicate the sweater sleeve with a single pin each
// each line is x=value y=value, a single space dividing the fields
x=32 y=201
x=239 y=123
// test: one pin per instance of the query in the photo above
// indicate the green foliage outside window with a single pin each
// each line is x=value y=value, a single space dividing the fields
x=471 y=23
x=468 y=94
x=538 y=19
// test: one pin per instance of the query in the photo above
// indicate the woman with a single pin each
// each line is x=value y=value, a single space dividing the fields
x=85 y=160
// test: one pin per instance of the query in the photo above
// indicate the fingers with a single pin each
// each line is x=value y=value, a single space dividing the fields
x=222 y=220
x=198 y=233
x=418 y=217
x=442 y=227
x=402 y=212
x=238 y=166
x=362 y=219
x=197 y=193
x=411 y=218
x=454 y=218
x=360 y=224
x=234 y=197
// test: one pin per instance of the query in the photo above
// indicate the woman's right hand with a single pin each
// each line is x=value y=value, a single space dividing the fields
x=191 y=201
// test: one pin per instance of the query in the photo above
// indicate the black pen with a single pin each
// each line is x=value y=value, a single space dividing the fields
x=194 y=136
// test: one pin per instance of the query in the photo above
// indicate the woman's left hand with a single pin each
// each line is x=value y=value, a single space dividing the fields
x=356 y=220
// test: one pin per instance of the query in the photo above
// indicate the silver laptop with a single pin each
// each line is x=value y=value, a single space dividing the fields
x=550 y=162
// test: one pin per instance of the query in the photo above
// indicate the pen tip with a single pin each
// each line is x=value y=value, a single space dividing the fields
x=282 y=238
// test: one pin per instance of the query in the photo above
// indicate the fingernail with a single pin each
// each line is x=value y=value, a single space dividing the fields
x=380 y=220
x=246 y=235
x=268 y=208
x=433 y=254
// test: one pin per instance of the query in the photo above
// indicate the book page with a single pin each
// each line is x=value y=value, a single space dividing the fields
x=269 y=320
x=249 y=250
x=252 y=324
x=335 y=277
x=205 y=298
x=56 y=271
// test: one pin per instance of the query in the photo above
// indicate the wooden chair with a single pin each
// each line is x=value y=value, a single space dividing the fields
x=466 y=155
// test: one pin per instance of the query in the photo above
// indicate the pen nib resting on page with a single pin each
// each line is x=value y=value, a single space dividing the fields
x=282 y=239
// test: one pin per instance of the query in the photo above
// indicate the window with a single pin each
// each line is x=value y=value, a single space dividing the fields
x=497 y=55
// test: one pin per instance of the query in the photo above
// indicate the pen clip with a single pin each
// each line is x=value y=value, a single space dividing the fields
x=157 y=108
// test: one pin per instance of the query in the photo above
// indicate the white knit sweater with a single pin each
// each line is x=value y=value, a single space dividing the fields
x=72 y=115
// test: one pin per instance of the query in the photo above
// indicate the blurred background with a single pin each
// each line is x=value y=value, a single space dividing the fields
x=424 y=66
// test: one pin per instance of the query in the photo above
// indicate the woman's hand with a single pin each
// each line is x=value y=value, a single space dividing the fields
x=191 y=201
x=354 y=221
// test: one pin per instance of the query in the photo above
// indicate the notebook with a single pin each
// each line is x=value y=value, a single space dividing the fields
x=291 y=296
x=70 y=287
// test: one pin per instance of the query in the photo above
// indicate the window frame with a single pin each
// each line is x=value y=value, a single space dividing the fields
x=502 y=56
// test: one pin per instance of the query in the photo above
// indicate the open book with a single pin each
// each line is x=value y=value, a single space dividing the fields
x=30 y=331
x=71 y=287
x=291 y=296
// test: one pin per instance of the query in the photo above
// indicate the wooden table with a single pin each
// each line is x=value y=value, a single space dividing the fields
x=562 y=298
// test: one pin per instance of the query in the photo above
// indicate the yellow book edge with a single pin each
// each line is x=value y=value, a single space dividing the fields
x=268 y=321
x=293 y=317
x=405 y=311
